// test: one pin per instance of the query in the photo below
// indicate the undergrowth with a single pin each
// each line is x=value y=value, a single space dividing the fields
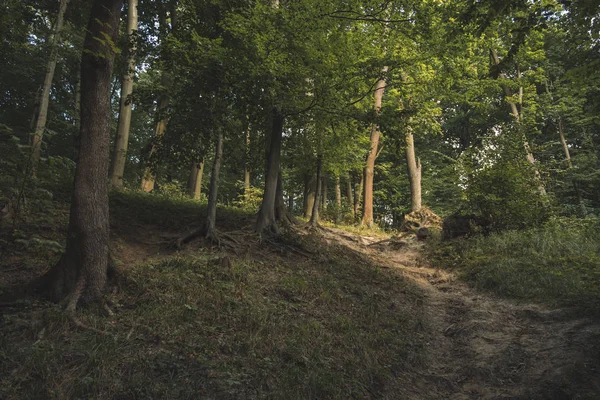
x=557 y=263
x=197 y=324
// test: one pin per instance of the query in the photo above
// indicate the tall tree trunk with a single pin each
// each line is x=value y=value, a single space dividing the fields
x=198 y=185
x=314 y=218
x=44 y=99
x=358 y=192
x=514 y=110
x=194 y=183
x=324 y=192
x=211 y=218
x=413 y=165
x=563 y=141
x=338 y=198
x=266 y=215
x=81 y=272
x=148 y=179
x=310 y=187
x=349 y=196
x=247 y=163
x=369 y=171
x=282 y=213
x=338 y=192
x=122 y=137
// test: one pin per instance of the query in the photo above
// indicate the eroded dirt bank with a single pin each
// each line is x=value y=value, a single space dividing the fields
x=484 y=347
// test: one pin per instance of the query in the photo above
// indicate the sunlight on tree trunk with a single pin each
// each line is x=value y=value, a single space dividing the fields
x=413 y=165
x=124 y=124
x=369 y=170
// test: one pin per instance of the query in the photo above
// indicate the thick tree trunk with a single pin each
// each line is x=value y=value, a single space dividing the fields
x=266 y=215
x=194 y=183
x=122 y=137
x=44 y=99
x=191 y=182
x=309 y=195
x=369 y=171
x=314 y=218
x=211 y=218
x=413 y=165
x=282 y=213
x=81 y=272
x=349 y=196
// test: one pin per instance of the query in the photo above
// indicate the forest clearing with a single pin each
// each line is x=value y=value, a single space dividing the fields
x=303 y=199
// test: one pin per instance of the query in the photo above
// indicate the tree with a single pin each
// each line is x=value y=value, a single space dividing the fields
x=81 y=272
x=44 y=99
x=122 y=138
x=369 y=171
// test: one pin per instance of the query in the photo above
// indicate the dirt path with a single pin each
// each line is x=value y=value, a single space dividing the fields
x=483 y=347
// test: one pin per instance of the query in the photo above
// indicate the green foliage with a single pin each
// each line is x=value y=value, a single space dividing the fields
x=504 y=191
x=557 y=263
x=249 y=201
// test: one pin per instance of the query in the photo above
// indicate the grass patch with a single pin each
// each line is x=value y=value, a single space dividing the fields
x=558 y=263
x=333 y=326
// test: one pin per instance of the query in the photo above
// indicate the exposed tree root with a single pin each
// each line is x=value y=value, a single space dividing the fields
x=221 y=239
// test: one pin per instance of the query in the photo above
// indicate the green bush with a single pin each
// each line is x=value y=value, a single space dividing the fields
x=557 y=263
x=249 y=200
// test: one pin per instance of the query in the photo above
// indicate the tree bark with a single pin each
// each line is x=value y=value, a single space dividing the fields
x=44 y=99
x=358 y=192
x=81 y=272
x=282 y=213
x=266 y=215
x=247 y=163
x=211 y=218
x=324 y=192
x=310 y=188
x=413 y=165
x=194 y=183
x=338 y=192
x=369 y=171
x=338 y=199
x=349 y=196
x=314 y=218
x=122 y=137
x=561 y=133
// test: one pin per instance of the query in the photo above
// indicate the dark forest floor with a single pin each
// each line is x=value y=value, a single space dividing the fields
x=326 y=314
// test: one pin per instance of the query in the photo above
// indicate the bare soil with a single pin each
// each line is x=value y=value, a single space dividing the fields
x=484 y=347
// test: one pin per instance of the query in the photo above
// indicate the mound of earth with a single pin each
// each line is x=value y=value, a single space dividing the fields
x=424 y=218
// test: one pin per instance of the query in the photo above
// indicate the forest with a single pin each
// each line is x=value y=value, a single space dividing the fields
x=393 y=199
